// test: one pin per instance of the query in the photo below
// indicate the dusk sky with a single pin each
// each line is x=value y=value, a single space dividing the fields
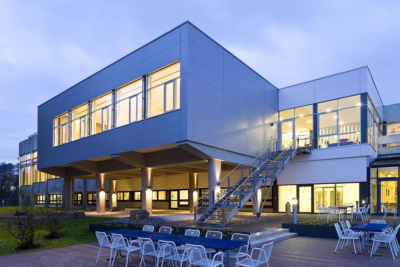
x=48 y=46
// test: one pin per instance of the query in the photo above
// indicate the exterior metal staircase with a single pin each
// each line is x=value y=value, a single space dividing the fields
x=249 y=182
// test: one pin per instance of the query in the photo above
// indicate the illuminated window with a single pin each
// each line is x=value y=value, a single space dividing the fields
x=79 y=122
x=78 y=199
x=164 y=90
x=101 y=114
x=40 y=199
x=286 y=194
x=183 y=197
x=129 y=103
x=286 y=114
x=162 y=195
x=388 y=172
x=91 y=199
x=137 y=196
x=55 y=198
x=155 y=195
x=60 y=129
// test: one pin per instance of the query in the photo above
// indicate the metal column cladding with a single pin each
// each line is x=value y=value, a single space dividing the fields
x=364 y=120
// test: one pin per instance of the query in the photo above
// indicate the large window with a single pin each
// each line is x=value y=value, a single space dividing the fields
x=164 y=90
x=286 y=194
x=339 y=122
x=25 y=169
x=373 y=129
x=40 y=199
x=60 y=131
x=77 y=198
x=91 y=199
x=101 y=114
x=129 y=103
x=79 y=122
x=137 y=195
x=159 y=195
x=183 y=197
x=123 y=196
x=55 y=198
x=336 y=194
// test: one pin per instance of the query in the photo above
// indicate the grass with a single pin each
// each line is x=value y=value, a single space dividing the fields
x=76 y=232
x=5 y=211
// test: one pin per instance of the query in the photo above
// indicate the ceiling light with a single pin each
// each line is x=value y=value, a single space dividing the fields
x=301 y=115
x=290 y=124
x=335 y=117
x=358 y=104
x=309 y=121
x=341 y=122
x=328 y=110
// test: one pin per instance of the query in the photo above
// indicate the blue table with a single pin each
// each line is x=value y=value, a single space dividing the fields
x=219 y=244
x=367 y=228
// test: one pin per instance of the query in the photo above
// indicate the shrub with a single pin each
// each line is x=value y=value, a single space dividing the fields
x=53 y=222
x=24 y=226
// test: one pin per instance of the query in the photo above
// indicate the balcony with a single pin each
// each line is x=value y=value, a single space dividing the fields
x=389 y=144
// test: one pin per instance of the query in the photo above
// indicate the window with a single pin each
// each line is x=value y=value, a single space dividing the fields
x=162 y=195
x=183 y=197
x=137 y=196
x=336 y=194
x=286 y=193
x=91 y=199
x=286 y=114
x=123 y=196
x=300 y=120
x=388 y=172
x=101 y=114
x=155 y=195
x=25 y=169
x=79 y=122
x=129 y=103
x=373 y=120
x=393 y=128
x=40 y=199
x=164 y=90
x=55 y=199
x=303 y=111
x=78 y=199
x=339 y=127
x=60 y=131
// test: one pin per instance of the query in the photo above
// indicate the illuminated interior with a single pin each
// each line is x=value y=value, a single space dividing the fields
x=286 y=194
x=389 y=194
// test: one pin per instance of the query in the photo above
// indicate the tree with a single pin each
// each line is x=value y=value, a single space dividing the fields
x=8 y=180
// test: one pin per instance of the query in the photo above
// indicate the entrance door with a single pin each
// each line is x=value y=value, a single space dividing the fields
x=388 y=194
x=287 y=133
x=173 y=203
x=305 y=199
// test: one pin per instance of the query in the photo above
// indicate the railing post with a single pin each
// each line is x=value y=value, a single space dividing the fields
x=195 y=208
x=242 y=171
x=240 y=196
x=229 y=183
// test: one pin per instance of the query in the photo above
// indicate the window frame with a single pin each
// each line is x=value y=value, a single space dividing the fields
x=141 y=94
x=92 y=201
x=77 y=201
x=86 y=124
x=55 y=198
x=40 y=199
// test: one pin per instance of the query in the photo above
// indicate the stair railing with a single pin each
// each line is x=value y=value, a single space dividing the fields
x=230 y=180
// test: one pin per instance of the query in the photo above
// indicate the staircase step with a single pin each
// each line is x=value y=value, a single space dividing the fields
x=274 y=238
x=268 y=233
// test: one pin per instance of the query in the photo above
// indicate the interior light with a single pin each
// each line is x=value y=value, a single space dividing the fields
x=341 y=122
x=309 y=121
x=290 y=124
x=284 y=138
x=358 y=104
x=348 y=184
x=301 y=115
x=328 y=110
x=335 y=117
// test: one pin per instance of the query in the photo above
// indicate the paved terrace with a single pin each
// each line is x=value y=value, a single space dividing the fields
x=297 y=252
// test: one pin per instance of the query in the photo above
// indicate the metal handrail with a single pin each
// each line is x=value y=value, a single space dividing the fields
x=275 y=161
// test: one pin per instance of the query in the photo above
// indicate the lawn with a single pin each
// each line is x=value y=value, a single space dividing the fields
x=76 y=232
x=11 y=210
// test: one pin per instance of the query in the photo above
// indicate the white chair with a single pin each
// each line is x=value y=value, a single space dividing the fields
x=250 y=261
x=321 y=212
x=334 y=211
x=378 y=221
x=345 y=239
x=243 y=249
x=170 y=252
x=215 y=235
x=148 y=228
x=122 y=244
x=189 y=232
x=366 y=212
x=105 y=241
x=327 y=212
x=165 y=230
x=198 y=257
x=148 y=249
x=389 y=209
x=357 y=213
x=385 y=237
x=348 y=232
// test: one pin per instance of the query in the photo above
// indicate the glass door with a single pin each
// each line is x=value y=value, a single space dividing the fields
x=324 y=194
x=305 y=199
x=388 y=194
x=287 y=133
x=173 y=204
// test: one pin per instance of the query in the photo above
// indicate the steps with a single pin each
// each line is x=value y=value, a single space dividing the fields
x=273 y=235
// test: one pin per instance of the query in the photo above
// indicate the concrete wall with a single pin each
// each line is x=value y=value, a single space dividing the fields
x=29 y=145
x=229 y=105
x=391 y=113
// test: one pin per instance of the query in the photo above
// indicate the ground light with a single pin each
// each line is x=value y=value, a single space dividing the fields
x=294 y=204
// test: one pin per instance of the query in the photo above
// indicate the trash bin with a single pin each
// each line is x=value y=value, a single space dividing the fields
x=287 y=209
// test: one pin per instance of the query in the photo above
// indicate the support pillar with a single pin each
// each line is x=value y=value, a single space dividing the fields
x=214 y=176
x=100 y=192
x=84 y=194
x=72 y=192
x=147 y=189
x=193 y=193
x=112 y=198
x=46 y=193
x=66 y=196
x=20 y=199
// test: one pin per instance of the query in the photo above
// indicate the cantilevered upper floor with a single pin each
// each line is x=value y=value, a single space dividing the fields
x=182 y=93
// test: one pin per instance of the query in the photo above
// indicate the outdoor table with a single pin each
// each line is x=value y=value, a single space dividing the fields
x=341 y=208
x=218 y=244
x=367 y=228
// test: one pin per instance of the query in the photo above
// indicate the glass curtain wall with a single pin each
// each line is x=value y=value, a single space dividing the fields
x=25 y=169
x=373 y=122
x=384 y=190
x=163 y=88
x=339 y=122
x=101 y=114
x=336 y=194
x=129 y=99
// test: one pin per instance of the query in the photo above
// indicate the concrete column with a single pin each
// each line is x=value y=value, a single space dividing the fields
x=193 y=194
x=101 y=187
x=66 y=195
x=20 y=198
x=84 y=194
x=32 y=195
x=46 y=193
x=214 y=176
x=147 y=189
x=112 y=198
x=71 y=201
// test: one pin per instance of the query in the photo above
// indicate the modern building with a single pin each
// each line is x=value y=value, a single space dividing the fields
x=159 y=127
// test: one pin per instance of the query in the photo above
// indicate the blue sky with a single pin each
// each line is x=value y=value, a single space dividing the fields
x=48 y=46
